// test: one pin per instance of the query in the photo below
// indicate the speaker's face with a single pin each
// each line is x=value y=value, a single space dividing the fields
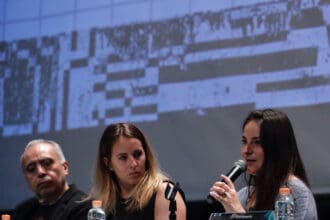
x=252 y=151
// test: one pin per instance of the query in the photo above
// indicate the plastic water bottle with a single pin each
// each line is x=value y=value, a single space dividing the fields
x=96 y=212
x=284 y=206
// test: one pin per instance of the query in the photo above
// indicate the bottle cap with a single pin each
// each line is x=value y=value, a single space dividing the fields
x=97 y=203
x=5 y=217
x=284 y=190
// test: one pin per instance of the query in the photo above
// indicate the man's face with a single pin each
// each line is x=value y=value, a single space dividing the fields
x=44 y=172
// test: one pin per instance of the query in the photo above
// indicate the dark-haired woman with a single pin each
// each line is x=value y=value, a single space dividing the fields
x=271 y=154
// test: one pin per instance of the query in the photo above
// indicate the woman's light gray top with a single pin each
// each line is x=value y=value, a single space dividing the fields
x=305 y=206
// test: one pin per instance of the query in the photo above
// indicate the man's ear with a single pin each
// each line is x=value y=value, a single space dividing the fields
x=66 y=167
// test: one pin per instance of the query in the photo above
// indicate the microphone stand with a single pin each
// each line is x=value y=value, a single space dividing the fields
x=170 y=193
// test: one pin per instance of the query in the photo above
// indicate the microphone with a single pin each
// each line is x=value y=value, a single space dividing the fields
x=238 y=168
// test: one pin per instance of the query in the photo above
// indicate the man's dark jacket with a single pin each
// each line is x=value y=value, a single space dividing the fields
x=71 y=206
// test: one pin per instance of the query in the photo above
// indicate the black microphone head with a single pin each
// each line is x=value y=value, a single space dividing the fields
x=241 y=164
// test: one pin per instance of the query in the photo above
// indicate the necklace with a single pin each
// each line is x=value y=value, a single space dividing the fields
x=124 y=201
x=250 y=201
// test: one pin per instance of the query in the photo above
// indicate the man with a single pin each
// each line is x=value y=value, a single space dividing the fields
x=45 y=169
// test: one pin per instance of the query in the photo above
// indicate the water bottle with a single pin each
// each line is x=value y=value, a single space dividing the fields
x=96 y=212
x=284 y=206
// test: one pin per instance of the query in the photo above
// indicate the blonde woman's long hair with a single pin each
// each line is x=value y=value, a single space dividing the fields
x=105 y=184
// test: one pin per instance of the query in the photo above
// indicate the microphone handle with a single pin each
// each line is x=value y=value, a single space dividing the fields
x=232 y=175
x=210 y=200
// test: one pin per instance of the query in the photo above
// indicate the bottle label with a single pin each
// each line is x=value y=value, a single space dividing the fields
x=96 y=214
x=284 y=210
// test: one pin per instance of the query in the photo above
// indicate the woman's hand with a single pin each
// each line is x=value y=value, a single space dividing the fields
x=226 y=194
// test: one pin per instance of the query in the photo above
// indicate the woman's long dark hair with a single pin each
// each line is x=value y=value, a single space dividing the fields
x=281 y=156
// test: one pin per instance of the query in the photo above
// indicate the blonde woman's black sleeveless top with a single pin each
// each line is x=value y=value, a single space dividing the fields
x=147 y=213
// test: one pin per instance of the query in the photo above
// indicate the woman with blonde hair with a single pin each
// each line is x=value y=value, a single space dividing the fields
x=127 y=178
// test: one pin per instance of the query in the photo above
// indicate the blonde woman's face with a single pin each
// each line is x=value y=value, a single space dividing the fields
x=128 y=161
